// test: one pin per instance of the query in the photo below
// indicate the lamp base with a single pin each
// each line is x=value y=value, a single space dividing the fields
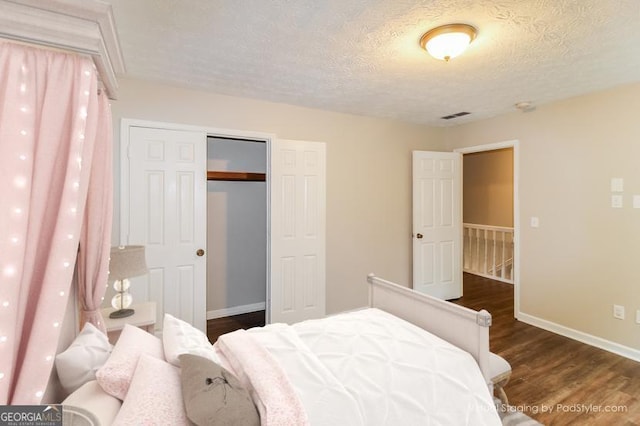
x=121 y=313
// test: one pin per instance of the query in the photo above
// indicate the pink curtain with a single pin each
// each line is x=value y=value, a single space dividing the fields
x=95 y=239
x=50 y=116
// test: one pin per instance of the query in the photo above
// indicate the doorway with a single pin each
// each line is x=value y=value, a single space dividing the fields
x=487 y=218
x=510 y=263
x=237 y=233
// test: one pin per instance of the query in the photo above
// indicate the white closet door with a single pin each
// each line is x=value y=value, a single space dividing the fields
x=164 y=209
x=297 y=179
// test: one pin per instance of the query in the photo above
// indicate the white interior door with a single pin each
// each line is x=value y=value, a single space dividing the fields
x=437 y=224
x=164 y=209
x=297 y=180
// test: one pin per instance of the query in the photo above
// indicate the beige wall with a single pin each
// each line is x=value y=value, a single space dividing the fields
x=368 y=173
x=583 y=258
x=574 y=267
x=488 y=187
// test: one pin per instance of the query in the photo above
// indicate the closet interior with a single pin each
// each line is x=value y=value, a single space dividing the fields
x=236 y=230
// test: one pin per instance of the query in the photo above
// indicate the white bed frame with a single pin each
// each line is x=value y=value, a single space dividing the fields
x=460 y=326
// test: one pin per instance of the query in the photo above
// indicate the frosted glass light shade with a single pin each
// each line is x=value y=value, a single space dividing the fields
x=448 y=41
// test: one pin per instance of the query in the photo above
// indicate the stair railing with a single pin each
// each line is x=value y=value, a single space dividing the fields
x=488 y=251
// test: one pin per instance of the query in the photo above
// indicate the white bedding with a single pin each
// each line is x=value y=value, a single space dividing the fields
x=360 y=368
x=371 y=368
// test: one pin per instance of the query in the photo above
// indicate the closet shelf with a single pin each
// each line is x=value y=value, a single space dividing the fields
x=236 y=176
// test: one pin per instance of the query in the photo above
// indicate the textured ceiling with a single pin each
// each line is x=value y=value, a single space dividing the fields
x=363 y=56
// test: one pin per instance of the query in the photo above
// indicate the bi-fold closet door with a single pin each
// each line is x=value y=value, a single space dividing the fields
x=163 y=206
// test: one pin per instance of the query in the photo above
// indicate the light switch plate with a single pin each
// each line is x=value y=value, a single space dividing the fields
x=616 y=201
x=535 y=222
x=618 y=311
x=617 y=184
x=636 y=201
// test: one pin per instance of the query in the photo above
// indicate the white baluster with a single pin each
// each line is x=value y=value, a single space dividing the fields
x=493 y=255
x=485 y=254
x=477 y=265
x=504 y=234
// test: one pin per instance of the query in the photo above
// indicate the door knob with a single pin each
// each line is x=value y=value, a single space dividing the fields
x=419 y=236
x=200 y=252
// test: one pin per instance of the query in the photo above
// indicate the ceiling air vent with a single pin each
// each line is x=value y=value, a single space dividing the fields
x=456 y=115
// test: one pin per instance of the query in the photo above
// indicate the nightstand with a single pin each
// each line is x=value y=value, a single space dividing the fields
x=144 y=317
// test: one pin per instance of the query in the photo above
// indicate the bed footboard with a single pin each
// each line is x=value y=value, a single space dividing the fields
x=460 y=326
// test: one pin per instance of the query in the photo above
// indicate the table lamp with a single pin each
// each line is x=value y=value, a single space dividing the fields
x=125 y=262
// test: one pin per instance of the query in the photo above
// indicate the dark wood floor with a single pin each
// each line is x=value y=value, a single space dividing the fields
x=551 y=372
x=220 y=326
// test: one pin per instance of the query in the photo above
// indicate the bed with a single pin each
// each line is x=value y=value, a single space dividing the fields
x=406 y=359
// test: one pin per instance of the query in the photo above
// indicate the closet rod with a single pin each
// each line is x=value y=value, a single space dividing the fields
x=239 y=139
x=237 y=176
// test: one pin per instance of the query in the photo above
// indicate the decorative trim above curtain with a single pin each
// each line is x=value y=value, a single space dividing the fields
x=52 y=136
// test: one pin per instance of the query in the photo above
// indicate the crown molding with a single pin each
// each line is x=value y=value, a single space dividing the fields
x=82 y=26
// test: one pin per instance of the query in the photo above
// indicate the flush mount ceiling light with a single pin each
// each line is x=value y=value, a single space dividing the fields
x=448 y=41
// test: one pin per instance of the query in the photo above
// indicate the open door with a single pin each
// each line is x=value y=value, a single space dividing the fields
x=297 y=285
x=437 y=224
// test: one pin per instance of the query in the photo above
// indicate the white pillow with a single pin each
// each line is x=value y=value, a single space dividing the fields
x=154 y=397
x=115 y=375
x=78 y=364
x=180 y=337
x=90 y=402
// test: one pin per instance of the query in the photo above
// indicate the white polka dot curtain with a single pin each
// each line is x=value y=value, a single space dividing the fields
x=55 y=148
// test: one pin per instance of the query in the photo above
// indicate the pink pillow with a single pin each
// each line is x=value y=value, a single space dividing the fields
x=115 y=375
x=154 y=397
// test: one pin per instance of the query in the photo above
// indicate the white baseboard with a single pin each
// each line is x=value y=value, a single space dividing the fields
x=236 y=310
x=589 y=339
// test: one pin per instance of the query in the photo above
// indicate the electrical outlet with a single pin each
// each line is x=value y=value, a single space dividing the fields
x=618 y=311
x=617 y=201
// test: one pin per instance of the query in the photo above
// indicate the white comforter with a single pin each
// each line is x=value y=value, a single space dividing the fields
x=371 y=368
